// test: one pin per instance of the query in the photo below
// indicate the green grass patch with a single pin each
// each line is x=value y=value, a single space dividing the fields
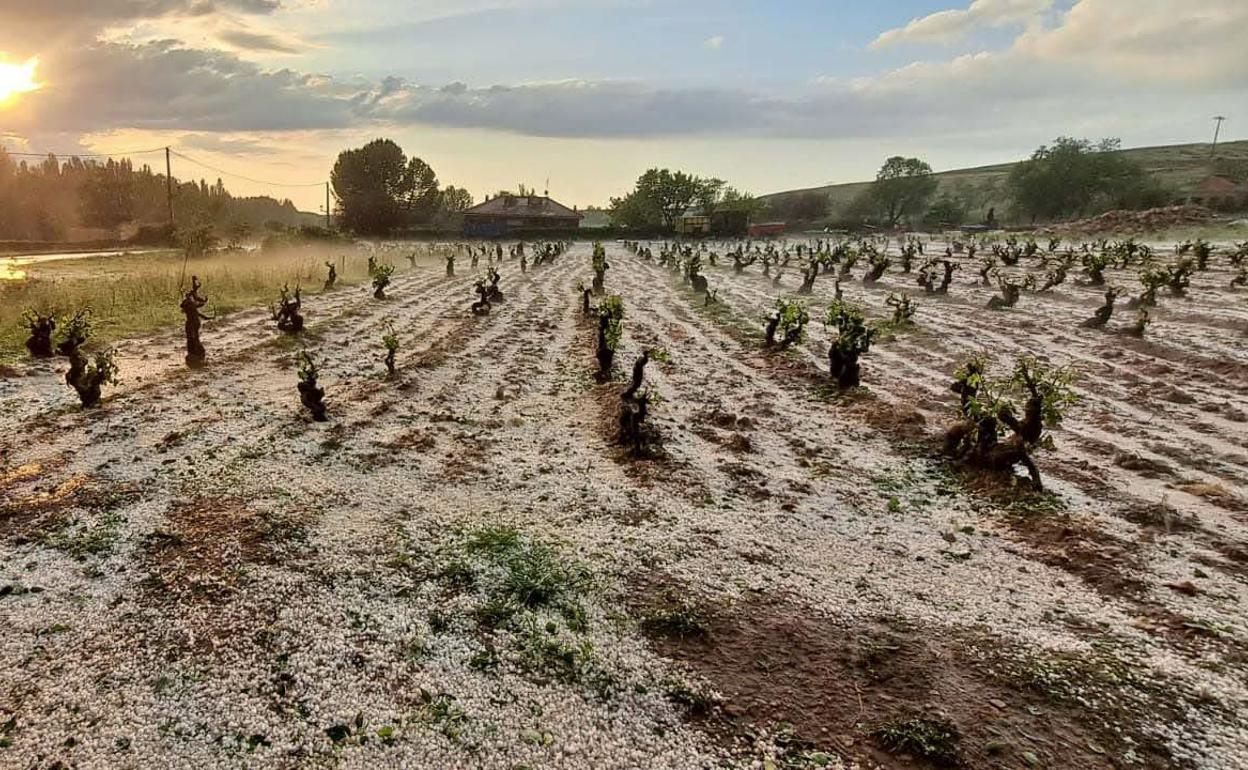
x=135 y=294
x=932 y=739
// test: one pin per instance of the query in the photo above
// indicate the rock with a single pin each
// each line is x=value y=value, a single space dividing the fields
x=1187 y=588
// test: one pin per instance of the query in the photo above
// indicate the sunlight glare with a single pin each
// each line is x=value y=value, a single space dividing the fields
x=17 y=79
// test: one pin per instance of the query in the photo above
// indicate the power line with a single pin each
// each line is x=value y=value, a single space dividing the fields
x=244 y=178
x=60 y=155
x=196 y=161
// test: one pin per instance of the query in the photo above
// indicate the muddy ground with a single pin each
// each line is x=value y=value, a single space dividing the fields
x=462 y=569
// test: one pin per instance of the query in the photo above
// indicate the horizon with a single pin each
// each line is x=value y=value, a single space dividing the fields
x=589 y=95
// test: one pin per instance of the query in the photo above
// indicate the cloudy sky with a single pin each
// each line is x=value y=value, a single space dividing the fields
x=768 y=94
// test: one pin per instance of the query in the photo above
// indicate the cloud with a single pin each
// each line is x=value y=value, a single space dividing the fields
x=91 y=15
x=162 y=85
x=946 y=26
x=1102 y=67
x=227 y=145
x=260 y=42
x=714 y=43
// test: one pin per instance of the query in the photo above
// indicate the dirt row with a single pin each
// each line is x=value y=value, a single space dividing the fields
x=786 y=579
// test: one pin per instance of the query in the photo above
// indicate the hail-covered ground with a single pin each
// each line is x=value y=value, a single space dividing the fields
x=462 y=568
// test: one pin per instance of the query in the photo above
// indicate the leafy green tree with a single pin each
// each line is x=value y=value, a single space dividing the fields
x=1078 y=177
x=662 y=197
x=732 y=199
x=901 y=190
x=673 y=193
x=635 y=211
x=710 y=193
x=379 y=188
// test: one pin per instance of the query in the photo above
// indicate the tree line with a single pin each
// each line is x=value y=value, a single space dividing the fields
x=55 y=200
x=1067 y=179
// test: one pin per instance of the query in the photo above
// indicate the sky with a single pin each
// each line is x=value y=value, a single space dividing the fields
x=581 y=96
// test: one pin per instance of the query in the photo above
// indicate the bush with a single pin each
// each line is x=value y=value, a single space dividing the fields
x=380 y=275
x=789 y=320
x=610 y=329
x=390 y=341
x=903 y=309
x=989 y=411
x=853 y=339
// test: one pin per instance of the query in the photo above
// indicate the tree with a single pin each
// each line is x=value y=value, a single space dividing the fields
x=662 y=197
x=709 y=194
x=423 y=198
x=456 y=199
x=106 y=197
x=946 y=211
x=379 y=188
x=671 y=192
x=237 y=232
x=732 y=199
x=1077 y=177
x=635 y=211
x=901 y=190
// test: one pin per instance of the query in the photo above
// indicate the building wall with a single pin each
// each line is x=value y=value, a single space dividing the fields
x=490 y=226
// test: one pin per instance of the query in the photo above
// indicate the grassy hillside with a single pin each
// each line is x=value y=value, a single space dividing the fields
x=1180 y=167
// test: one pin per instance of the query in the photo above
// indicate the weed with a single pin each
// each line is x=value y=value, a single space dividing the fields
x=932 y=739
x=676 y=619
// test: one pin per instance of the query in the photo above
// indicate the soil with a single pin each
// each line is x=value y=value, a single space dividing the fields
x=197 y=574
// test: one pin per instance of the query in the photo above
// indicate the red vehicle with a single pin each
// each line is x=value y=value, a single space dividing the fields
x=767 y=230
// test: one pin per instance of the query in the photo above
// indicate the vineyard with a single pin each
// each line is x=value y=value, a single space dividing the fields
x=891 y=502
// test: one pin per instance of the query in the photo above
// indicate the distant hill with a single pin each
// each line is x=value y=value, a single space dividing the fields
x=1178 y=166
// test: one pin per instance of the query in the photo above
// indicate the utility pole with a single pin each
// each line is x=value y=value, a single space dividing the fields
x=1217 y=129
x=169 y=186
x=327 y=227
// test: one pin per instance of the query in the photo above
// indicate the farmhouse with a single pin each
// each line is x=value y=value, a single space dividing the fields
x=512 y=213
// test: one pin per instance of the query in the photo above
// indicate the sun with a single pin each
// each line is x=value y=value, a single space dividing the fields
x=17 y=79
